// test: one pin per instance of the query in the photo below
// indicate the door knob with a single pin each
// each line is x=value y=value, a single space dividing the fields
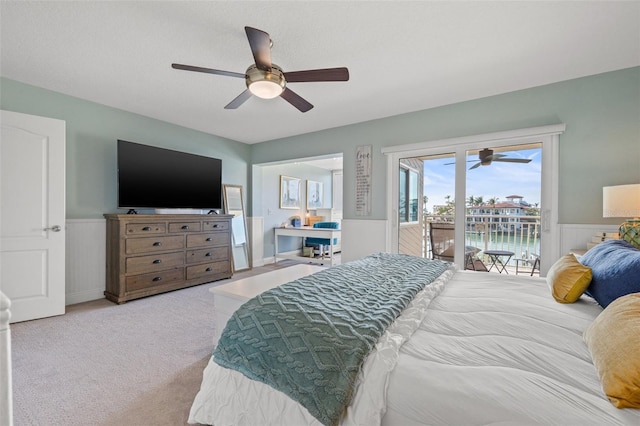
x=54 y=228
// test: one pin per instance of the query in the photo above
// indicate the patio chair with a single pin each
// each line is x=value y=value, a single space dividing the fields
x=533 y=260
x=441 y=237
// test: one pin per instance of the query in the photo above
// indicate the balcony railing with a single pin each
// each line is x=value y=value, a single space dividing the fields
x=519 y=234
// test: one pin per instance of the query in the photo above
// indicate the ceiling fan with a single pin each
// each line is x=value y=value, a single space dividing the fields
x=267 y=80
x=486 y=157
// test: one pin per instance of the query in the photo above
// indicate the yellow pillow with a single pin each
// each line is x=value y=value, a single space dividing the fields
x=613 y=341
x=568 y=279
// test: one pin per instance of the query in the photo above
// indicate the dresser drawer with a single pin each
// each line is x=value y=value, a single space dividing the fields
x=150 y=245
x=145 y=281
x=185 y=227
x=213 y=268
x=208 y=240
x=156 y=262
x=207 y=255
x=215 y=225
x=146 y=228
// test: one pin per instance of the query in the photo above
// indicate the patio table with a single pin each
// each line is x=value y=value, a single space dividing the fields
x=495 y=257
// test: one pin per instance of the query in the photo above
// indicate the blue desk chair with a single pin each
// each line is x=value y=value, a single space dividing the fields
x=323 y=244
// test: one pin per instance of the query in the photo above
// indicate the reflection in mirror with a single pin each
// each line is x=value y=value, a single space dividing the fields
x=234 y=205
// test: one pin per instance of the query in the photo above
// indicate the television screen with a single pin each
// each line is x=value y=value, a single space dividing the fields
x=152 y=177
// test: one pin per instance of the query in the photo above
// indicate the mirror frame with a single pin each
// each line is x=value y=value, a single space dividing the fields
x=225 y=187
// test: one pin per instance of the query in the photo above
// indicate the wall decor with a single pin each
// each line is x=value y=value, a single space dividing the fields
x=315 y=195
x=289 y=192
x=364 y=159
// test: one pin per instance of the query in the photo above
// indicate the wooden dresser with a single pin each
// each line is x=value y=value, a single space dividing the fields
x=151 y=254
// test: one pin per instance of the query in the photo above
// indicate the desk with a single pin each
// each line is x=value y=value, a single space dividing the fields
x=495 y=256
x=305 y=231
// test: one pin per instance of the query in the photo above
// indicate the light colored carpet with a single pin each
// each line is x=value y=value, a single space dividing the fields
x=139 y=363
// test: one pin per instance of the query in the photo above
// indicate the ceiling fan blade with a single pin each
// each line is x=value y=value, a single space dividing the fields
x=475 y=166
x=260 y=43
x=207 y=70
x=513 y=160
x=326 y=74
x=295 y=100
x=448 y=164
x=239 y=100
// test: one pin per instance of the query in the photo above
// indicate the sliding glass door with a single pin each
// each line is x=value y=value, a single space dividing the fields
x=496 y=192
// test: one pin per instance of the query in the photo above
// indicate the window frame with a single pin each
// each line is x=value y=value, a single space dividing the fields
x=409 y=172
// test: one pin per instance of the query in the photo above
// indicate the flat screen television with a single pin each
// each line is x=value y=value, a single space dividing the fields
x=156 y=178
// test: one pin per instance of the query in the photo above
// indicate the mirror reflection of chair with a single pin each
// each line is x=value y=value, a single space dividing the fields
x=441 y=237
x=322 y=246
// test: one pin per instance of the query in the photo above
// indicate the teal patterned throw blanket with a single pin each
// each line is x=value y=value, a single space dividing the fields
x=309 y=338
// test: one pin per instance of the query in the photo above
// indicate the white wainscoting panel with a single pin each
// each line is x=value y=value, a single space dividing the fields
x=576 y=236
x=86 y=260
x=361 y=238
x=256 y=236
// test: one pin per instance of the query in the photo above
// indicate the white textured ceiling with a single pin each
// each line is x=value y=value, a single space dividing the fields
x=402 y=56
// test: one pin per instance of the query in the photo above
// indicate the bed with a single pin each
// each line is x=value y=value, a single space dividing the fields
x=472 y=348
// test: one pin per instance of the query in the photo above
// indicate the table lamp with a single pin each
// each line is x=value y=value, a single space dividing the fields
x=624 y=201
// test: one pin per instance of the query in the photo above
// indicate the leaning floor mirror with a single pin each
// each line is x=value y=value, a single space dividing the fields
x=234 y=205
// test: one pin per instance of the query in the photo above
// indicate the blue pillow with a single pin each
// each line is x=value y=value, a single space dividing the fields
x=615 y=266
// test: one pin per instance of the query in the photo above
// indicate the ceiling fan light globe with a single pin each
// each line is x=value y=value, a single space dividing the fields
x=266 y=89
x=265 y=84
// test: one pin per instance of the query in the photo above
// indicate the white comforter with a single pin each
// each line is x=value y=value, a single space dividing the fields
x=474 y=350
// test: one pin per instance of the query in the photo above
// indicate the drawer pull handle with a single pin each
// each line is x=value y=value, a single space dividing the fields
x=146 y=228
x=157 y=279
x=208 y=255
x=157 y=261
x=185 y=227
x=209 y=239
x=208 y=269
x=215 y=225
x=157 y=244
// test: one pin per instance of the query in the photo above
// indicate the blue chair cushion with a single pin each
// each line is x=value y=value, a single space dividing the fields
x=313 y=241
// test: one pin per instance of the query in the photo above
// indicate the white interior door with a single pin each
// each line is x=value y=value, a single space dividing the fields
x=32 y=214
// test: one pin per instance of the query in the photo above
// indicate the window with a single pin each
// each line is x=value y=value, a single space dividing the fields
x=408 y=195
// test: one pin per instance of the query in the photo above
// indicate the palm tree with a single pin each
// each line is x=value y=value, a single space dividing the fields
x=448 y=209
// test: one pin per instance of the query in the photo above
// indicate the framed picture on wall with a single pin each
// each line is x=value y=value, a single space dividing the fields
x=314 y=195
x=289 y=192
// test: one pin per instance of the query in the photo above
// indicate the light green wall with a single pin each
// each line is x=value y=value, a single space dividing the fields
x=601 y=145
x=92 y=132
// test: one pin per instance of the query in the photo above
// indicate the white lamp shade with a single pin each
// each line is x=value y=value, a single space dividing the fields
x=621 y=201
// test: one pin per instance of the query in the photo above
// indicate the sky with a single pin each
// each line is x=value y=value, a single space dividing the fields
x=497 y=180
